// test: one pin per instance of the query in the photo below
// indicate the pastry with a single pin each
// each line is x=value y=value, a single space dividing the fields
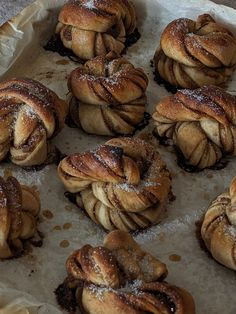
x=196 y=53
x=219 y=227
x=123 y=184
x=201 y=123
x=30 y=114
x=99 y=280
x=19 y=209
x=109 y=95
x=93 y=28
x=133 y=261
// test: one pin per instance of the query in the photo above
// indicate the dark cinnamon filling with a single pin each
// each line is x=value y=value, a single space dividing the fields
x=66 y=295
x=132 y=38
x=69 y=295
x=55 y=45
x=145 y=122
x=160 y=81
x=165 y=299
x=37 y=240
x=71 y=197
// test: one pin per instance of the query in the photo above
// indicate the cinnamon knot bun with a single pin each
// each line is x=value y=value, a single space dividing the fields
x=109 y=95
x=99 y=280
x=201 y=123
x=219 y=227
x=123 y=184
x=19 y=209
x=92 y=28
x=196 y=53
x=30 y=114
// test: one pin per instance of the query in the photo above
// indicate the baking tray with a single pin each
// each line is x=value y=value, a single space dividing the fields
x=31 y=279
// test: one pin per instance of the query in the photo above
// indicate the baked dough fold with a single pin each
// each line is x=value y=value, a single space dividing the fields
x=196 y=53
x=219 y=227
x=30 y=114
x=201 y=123
x=123 y=184
x=19 y=209
x=120 y=276
x=109 y=95
x=92 y=28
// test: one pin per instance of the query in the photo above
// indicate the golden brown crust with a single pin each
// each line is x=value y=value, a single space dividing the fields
x=110 y=89
x=201 y=123
x=30 y=114
x=193 y=54
x=137 y=294
x=219 y=228
x=123 y=184
x=19 y=208
x=96 y=265
x=134 y=262
x=93 y=28
x=153 y=298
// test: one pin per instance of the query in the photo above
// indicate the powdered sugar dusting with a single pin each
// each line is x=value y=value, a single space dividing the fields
x=231 y=231
x=137 y=188
x=195 y=43
x=132 y=287
x=145 y=265
x=181 y=223
x=129 y=287
x=180 y=26
x=99 y=291
x=90 y=4
x=29 y=112
x=202 y=100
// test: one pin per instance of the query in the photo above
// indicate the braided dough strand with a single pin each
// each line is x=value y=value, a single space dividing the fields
x=19 y=208
x=196 y=53
x=153 y=298
x=30 y=114
x=202 y=124
x=123 y=184
x=219 y=228
x=94 y=28
x=110 y=89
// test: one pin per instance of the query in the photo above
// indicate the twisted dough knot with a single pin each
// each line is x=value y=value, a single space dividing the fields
x=116 y=277
x=193 y=54
x=112 y=91
x=19 y=208
x=202 y=124
x=96 y=265
x=30 y=114
x=123 y=184
x=134 y=262
x=92 y=28
x=219 y=228
x=137 y=298
x=114 y=263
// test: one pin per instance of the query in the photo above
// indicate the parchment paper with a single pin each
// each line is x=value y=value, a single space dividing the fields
x=29 y=281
